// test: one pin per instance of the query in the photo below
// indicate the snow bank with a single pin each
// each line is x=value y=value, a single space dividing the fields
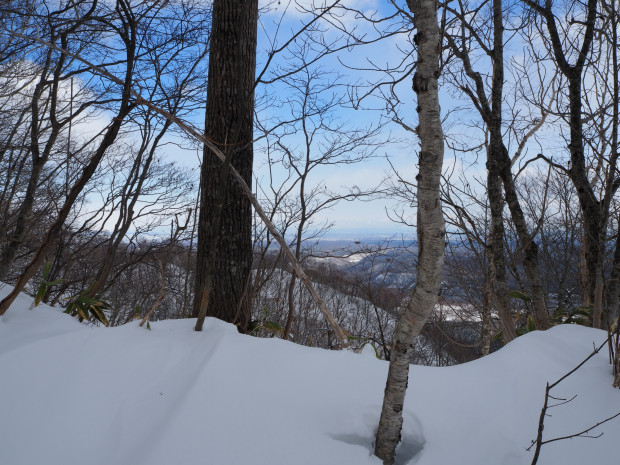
x=73 y=394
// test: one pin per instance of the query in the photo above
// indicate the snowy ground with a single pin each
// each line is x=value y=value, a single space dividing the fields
x=77 y=395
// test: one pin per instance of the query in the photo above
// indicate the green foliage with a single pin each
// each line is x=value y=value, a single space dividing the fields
x=88 y=308
x=373 y=348
x=45 y=284
x=528 y=328
x=578 y=315
x=273 y=327
x=270 y=326
x=364 y=343
x=520 y=295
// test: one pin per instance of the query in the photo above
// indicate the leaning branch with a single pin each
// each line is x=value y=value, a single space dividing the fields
x=196 y=134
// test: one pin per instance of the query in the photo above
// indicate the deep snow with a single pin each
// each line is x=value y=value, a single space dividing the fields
x=71 y=394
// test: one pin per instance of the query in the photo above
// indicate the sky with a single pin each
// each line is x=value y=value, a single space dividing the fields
x=349 y=73
x=370 y=216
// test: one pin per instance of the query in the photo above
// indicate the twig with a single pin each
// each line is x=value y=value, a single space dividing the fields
x=582 y=434
x=538 y=442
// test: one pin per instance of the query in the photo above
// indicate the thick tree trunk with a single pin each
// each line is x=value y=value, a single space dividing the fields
x=430 y=226
x=229 y=125
x=594 y=222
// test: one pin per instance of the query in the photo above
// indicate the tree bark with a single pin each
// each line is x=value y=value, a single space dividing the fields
x=485 y=334
x=499 y=167
x=229 y=125
x=595 y=214
x=200 y=136
x=430 y=227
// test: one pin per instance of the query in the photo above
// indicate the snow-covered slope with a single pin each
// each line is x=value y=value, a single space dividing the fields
x=77 y=395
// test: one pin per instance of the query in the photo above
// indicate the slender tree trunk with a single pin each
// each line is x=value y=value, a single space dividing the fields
x=430 y=227
x=486 y=317
x=300 y=229
x=56 y=228
x=229 y=125
x=131 y=194
x=528 y=243
x=499 y=167
x=495 y=152
x=613 y=284
x=594 y=214
x=499 y=153
x=39 y=157
x=291 y=306
x=87 y=173
x=497 y=253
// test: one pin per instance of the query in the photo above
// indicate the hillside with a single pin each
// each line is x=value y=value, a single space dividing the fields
x=74 y=394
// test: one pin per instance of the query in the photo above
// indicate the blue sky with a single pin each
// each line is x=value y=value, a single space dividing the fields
x=279 y=24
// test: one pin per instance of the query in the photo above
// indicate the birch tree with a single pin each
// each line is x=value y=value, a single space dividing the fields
x=430 y=226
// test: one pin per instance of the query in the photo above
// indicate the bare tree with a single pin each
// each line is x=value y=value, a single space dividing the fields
x=315 y=139
x=488 y=99
x=127 y=18
x=574 y=41
x=430 y=224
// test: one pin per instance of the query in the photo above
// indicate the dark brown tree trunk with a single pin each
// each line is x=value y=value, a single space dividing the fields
x=229 y=125
x=495 y=163
x=528 y=243
x=500 y=155
x=497 y=253
x=594 y=214
x=499 y=168
x=613 y=284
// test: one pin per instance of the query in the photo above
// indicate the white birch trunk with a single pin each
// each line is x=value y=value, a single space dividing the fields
x=430 y=227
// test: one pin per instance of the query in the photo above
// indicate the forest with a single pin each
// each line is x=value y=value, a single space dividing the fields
x=191 y=159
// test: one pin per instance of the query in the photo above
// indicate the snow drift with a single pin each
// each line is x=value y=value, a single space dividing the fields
x=71 y=394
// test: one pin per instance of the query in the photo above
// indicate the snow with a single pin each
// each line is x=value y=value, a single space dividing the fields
x=77 y=394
